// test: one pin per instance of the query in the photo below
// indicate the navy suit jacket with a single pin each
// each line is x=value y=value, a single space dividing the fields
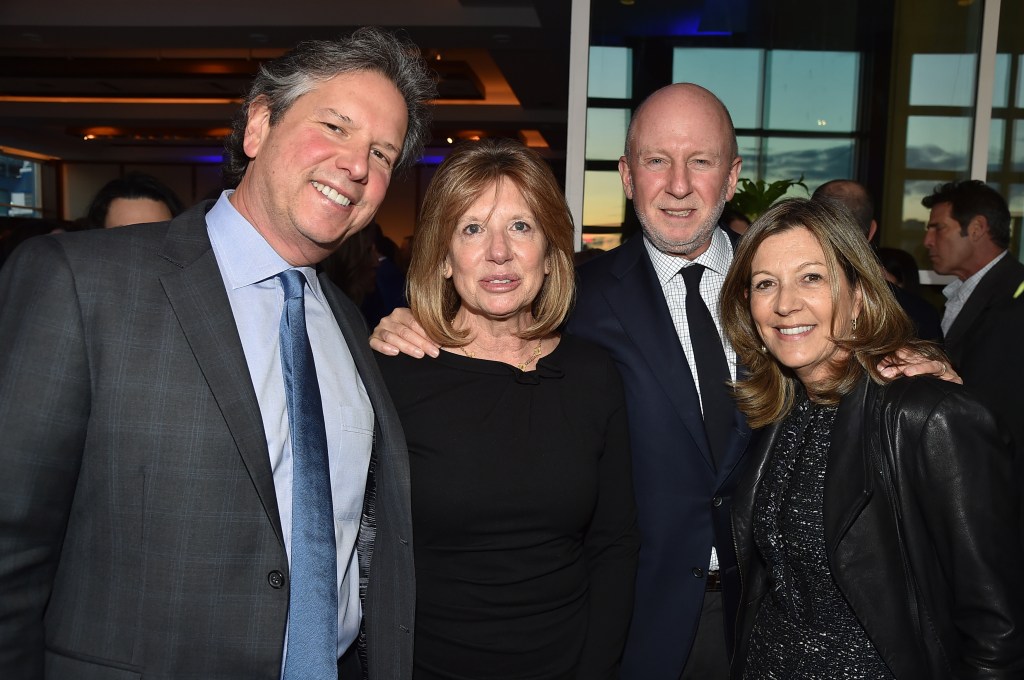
x=139 y=527
x=683 y=500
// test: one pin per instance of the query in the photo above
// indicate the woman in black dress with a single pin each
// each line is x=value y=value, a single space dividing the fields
x=876 y=526
x=524 y=522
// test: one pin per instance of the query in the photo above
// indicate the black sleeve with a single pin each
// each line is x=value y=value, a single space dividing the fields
x=611 y=545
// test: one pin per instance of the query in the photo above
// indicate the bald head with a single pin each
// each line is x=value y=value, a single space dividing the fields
x=680 y=167
x=855 y=197
x=679 y=102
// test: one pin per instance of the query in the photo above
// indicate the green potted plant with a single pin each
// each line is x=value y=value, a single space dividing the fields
x=754 y=197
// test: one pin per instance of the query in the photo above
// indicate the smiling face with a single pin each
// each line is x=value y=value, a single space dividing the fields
x=319 y=173
x=791 y=303
x=497 y=258
x=681 y=168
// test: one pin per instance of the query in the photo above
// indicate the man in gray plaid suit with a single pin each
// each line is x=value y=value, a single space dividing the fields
x=145 y=493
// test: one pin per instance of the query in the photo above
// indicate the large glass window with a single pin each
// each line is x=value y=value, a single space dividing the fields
x=1017 y=155
x=611 y=73
x=603 y=202
x=939 y=143
x=606 y=133
x=741 y=91
x=610 y=88
x=942 y=79
x=816 y=160
x=812 y=91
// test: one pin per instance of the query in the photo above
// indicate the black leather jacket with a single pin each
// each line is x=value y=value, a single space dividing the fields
x=941 y=592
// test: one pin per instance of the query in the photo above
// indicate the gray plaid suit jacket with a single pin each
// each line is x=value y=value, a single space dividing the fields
x=139 y=528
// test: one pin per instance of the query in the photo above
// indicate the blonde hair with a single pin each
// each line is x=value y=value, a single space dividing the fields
x=767 y=393
x=471 y=169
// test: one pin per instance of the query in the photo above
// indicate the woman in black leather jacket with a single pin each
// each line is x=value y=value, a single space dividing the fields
x=877 y=527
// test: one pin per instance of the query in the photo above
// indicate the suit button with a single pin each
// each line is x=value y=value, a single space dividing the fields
x=716 y=501
x=697 y=572
x=275 y=579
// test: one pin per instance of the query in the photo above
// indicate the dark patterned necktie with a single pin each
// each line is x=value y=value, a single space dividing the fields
x=712 y=368
x=312 y=650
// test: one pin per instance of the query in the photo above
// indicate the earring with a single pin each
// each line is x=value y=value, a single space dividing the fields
x=853 y=325
x=764 y=350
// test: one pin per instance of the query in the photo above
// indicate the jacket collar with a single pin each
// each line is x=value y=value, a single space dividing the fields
x=849 y=481
x=1005 y=275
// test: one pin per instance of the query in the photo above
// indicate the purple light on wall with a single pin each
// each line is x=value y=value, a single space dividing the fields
x=207 y=158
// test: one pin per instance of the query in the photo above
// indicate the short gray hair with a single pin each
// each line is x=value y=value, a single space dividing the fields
x=282 y=81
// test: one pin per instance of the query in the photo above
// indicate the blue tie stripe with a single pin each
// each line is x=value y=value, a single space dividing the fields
x=312 y=650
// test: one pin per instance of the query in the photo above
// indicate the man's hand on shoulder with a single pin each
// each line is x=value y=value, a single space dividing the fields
x=399 y=332
x=910 y=363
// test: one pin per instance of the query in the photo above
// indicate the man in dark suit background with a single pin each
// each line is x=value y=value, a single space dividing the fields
x=967 y=236
x=145 y=505
x=855 y=197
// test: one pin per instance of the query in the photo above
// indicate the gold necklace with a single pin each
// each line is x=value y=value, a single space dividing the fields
x=522 y=366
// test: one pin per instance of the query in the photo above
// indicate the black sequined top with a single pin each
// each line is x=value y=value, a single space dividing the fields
x=804 y=627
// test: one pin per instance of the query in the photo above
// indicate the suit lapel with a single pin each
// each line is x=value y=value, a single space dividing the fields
x=639 y=303
x=196 y=294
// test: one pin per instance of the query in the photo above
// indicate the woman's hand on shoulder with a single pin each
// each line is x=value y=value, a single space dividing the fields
x=910 y=363
x=399 y=332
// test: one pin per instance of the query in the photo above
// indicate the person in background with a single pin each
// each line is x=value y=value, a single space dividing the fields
x=389 y=280
x=734 y=221
x=687 y=437
x=203 y=474
x=353 y=266
x=901 y=269
x=875 y=526
x=522 y=501
x=855 y=197
x=135 y=198
x=968 y=236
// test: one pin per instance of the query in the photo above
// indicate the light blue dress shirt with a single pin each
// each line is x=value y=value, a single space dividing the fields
x=249 y=267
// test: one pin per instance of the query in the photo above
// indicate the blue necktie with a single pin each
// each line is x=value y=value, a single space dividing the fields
x=312 y=652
